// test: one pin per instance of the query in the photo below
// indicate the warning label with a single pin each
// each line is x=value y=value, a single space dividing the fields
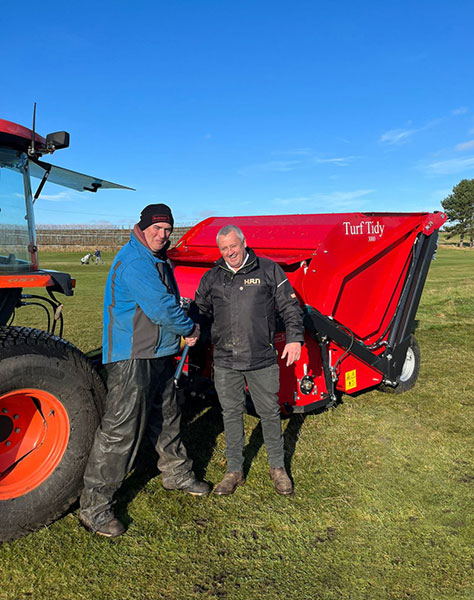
x=351 y=380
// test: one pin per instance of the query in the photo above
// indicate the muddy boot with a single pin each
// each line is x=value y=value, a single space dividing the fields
x=230 y=483
x=281 y=481
x=192 y=486
x=111 y=528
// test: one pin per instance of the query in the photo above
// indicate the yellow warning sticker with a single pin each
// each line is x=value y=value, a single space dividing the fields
x=351 y=379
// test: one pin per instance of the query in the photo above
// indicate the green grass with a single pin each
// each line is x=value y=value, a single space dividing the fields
x=383 y=488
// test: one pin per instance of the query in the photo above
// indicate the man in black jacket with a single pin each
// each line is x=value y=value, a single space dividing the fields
x=241 y=294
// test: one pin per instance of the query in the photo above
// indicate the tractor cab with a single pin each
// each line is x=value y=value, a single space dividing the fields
x=17 y=225
x=21 y=152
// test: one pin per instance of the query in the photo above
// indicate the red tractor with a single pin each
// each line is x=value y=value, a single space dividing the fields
x=50 y=394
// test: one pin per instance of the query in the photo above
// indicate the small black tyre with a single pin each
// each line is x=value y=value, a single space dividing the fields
x=51 y=399
x=410 y=370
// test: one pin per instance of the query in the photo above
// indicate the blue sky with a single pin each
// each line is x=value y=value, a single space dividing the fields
x=245 y=107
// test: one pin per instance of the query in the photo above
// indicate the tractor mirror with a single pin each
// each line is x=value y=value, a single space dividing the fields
x=57 y=140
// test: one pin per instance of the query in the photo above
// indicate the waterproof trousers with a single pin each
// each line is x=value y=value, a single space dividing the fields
x=141 y=400
x=263 y=385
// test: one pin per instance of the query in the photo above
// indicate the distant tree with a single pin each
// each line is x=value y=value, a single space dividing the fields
x=459 y=208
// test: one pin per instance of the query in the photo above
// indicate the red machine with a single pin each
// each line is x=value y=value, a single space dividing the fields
x=359 y=278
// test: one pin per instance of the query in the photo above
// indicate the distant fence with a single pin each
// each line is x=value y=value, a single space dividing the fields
x=91 y=238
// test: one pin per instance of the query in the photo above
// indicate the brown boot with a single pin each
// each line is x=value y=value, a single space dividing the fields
x=230 y=483
x=281 y=481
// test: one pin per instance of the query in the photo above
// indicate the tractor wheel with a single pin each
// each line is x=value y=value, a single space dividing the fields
x=410 y=370
x=51 y=399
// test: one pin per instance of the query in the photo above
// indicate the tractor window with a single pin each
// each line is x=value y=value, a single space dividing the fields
x=14 y=231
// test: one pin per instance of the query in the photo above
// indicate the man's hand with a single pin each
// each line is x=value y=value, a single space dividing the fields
x=193 y=336
x=292 y=352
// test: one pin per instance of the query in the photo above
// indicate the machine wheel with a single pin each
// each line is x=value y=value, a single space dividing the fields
x=410 y=370
x=51 y=399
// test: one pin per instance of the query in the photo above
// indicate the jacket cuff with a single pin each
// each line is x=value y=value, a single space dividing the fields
x=290 y=339
x=190 y=331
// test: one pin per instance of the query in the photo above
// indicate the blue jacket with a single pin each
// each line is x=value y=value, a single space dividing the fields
x=142 y=316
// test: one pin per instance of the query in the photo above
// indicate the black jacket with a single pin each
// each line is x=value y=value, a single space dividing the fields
x=243 y=309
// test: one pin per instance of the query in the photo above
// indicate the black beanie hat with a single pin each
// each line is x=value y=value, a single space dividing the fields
x=155 y=213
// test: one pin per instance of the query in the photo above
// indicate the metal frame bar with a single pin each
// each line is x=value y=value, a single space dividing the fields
x=389 y=363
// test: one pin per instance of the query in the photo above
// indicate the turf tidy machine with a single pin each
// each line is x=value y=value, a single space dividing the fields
x=50 y=394
x=359 y=278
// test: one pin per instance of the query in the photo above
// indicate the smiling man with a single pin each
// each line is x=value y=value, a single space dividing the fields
x=143 y=325
x=241 y=294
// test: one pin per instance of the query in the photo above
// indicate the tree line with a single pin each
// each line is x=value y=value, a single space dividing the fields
x=459 y=208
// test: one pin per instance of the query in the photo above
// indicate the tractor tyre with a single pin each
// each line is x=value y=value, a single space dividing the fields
x=410 y=370
x=51 y=400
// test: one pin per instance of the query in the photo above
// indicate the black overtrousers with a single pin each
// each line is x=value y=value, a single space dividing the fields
x=141 y=400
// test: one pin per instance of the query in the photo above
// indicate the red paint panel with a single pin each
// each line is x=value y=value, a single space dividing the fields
x=18 y=131
x=30 y=280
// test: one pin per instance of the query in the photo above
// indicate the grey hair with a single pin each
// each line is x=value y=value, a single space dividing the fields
x=228 y=229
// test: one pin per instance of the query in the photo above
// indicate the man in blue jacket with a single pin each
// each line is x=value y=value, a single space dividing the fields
x=143 y=325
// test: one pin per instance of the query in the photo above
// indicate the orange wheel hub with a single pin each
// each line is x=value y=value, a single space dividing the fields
x=34 y=433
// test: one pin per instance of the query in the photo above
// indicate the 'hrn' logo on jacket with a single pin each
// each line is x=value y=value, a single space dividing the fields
x=255 y=281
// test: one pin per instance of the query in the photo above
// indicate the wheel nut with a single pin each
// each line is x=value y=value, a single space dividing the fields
x=8 y=443
x=17 y=430
x=4 y=410
x=16 y=416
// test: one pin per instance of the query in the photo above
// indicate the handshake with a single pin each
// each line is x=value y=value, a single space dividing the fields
x=193 y=337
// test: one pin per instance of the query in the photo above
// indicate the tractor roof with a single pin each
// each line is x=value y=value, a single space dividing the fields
x=18 y=137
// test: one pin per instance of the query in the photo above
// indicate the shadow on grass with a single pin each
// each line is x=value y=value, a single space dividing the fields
x=290 y=437
x=200 y=433
x=201 y=425
x=252 y=447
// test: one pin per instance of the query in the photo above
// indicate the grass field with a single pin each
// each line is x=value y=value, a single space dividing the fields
x=383 y=503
